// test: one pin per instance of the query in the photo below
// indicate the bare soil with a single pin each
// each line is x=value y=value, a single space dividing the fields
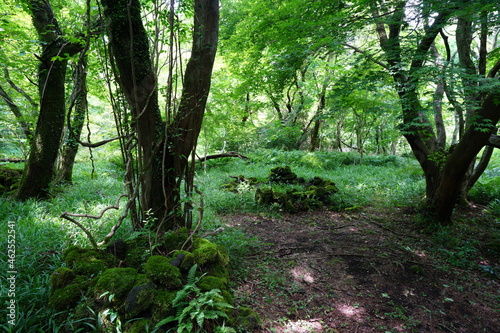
x=363 y=271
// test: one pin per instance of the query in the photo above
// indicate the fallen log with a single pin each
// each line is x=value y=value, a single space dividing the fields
x=13 y=160
x=221 y=155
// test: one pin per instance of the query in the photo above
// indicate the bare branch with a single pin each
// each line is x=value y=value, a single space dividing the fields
x=368 y=56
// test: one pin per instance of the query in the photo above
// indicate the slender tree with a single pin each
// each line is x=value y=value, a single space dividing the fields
x=40 y=168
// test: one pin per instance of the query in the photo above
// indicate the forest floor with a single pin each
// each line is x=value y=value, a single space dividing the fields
x=368 y=270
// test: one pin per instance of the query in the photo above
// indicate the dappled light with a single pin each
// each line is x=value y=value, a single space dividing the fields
x=301 y=273
x=237 y=166
x=353 y=311
x=301 y=326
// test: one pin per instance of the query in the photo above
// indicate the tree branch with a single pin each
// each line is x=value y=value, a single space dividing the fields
x=368 y=56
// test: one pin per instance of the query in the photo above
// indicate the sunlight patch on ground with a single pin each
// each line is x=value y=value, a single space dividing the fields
x=302 y=326
x=301 y=273
x=351 y=311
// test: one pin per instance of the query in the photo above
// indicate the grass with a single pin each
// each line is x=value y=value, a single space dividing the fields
x=41 y=235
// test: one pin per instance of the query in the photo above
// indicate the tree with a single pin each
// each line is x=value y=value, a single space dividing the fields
x=445 y=171
x=164 y=148
x=39 y=170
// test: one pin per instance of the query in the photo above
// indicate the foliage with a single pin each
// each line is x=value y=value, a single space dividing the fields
x=195 y=309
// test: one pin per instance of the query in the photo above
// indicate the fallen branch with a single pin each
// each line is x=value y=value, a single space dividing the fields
x=69 y=217
x=13 y=160
x=222 y=155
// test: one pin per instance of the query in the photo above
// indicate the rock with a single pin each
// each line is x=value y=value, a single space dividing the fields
x=160 y=271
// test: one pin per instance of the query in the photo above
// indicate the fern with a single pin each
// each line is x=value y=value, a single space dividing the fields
x=194 y=308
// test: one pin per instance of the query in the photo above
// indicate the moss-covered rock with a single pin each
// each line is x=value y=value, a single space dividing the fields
x=9 y=179
x=88 y=261
x=61 y=278
x=174 y=240
x=240 y=183
x=205 y=251
x=67 y=297
x=140 y=326
x=137 y=250
x=162 y=305
x=117 y=282
x=187 y=261
x=282 y=175
x=264 y=196
x=139 y=300
x=219 y=270
x=160 y=271
x=208 y=283
x=247 y=320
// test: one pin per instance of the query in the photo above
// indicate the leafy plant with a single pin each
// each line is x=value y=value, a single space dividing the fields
x=195 y=308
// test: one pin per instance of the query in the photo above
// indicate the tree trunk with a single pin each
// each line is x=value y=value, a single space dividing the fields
x=182 y=134
x=458 y=162
x=130 y=49
x=75 y=125
x=39 y=170
x=163 y=158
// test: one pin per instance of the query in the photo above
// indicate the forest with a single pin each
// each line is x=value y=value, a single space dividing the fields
x=250 y=166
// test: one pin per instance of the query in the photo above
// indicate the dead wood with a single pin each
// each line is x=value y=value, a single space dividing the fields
x=222 y=155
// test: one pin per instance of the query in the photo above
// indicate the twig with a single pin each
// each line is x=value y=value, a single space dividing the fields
x=81 y=226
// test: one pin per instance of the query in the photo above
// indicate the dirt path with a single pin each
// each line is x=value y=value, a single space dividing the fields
x=351 y=272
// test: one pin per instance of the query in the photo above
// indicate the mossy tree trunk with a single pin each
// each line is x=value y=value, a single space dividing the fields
x=164 y=150
x=40 y=168
x=75 y=123
x=130 y=50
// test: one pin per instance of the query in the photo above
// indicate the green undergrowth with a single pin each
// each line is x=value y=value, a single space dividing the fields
x=385 y=181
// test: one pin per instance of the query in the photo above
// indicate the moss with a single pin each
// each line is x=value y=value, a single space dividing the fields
x=117 y=282
x=247 y=319
x=142 y=279
x=139 y=300
x=88 y=261
x=187 y=262
x=67 y=297
x=220 y=271
x=159 y=270
x=137 y=251
x=162 y=305
x=61 y=278
x=140 y=326
x=282 y=175
x=205 y=251
x=208 y=283
x=174 y=240
x=416 y=269
x=264 y=196
x=228 y=297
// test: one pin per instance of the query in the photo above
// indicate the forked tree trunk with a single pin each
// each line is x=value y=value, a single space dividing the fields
x=163 y=158
x=457 y=164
